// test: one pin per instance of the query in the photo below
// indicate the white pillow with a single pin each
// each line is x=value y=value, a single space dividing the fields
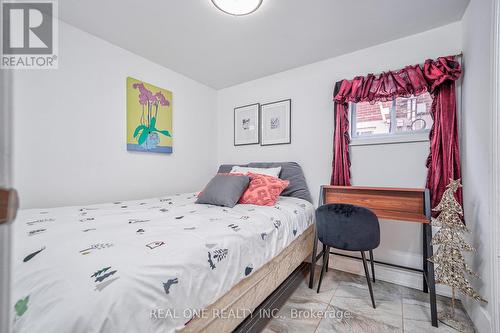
x=275 y=172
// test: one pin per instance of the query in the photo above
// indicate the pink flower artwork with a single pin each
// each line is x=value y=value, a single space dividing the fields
x=163 y=101
x=146 y=133
x=145 y=95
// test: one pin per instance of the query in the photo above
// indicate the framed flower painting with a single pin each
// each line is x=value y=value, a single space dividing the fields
x=149 y=117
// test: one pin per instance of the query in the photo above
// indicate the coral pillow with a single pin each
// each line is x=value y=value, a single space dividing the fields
x=263 y=190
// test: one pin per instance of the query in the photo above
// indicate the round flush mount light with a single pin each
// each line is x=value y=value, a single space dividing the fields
x=237 y=7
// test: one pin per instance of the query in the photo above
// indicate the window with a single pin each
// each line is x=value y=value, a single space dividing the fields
x=399 y=117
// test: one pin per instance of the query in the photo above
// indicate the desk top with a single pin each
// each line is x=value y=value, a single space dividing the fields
x=390 y=203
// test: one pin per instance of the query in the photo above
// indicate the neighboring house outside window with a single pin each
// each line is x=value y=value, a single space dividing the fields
x=401 y=118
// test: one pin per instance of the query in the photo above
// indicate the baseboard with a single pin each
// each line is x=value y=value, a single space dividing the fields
x=384 y=273
x=479 y=316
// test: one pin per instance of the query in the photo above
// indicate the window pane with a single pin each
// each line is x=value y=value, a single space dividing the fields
x=413 y=114
x=373 y=119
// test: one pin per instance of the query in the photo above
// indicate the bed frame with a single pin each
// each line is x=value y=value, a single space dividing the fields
x=251 y=292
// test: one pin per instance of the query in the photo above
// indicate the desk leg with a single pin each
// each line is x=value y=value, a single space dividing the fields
x=313 y=259
x=425 y=256
x=430 y=275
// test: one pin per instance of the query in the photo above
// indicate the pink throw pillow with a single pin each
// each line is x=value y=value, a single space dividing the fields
x=263 y=190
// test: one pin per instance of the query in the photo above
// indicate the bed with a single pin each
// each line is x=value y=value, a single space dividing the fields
x=157 y=265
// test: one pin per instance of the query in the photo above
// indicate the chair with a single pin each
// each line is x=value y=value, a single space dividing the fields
x=350 y=228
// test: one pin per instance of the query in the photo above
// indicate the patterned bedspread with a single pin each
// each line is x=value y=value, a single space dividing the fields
x=140 y=266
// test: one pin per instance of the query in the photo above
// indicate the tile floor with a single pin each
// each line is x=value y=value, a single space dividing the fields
x=345 y=302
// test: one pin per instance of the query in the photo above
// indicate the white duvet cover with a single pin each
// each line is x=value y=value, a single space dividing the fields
x=140 y=266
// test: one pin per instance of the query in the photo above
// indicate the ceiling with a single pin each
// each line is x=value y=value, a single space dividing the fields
x=194 y=38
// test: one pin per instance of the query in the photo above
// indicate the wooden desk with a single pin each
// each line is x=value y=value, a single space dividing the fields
x=411 y=205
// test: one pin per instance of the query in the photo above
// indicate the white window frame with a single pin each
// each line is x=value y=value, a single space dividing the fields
x=377 y=139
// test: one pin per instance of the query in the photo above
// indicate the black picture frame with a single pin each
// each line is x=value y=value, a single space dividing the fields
x=262 y=110
x=257 y=140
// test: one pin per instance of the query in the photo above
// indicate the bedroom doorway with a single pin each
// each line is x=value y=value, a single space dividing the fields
x=7 y=198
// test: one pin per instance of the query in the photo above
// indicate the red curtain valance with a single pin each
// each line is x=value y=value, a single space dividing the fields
x=438 y=78
x=411 y=80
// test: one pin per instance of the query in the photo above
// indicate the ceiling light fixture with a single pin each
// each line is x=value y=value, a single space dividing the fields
x=237 y=7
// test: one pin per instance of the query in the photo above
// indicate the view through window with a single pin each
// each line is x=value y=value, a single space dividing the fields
x=399 y=116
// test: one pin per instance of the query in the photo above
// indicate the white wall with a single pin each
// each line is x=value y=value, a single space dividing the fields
x=311 y=88
x=70 y=128
x=476 y=151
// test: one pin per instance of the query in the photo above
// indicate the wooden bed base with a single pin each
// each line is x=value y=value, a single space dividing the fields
x=249 y=293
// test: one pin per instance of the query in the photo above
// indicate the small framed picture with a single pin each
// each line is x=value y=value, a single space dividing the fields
x=276 y=123
x=246 y=125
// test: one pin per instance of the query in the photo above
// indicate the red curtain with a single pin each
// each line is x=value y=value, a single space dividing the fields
x=341 y=164
x=443 y=162
x=438 y=77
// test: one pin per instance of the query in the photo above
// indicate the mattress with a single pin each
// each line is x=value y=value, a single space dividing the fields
x=140 y=266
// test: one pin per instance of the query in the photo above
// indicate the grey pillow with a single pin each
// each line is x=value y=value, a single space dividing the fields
x=223 y=190
x=289 y=171
x=292 y=172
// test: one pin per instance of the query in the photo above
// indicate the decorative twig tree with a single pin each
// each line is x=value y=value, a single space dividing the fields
x=450 y=265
